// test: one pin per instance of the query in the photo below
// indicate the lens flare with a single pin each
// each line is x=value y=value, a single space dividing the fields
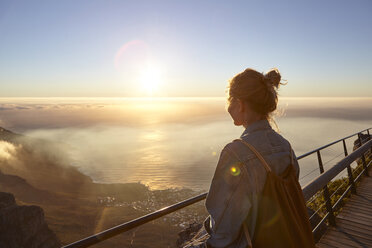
x=131 y=56
x=235 y=170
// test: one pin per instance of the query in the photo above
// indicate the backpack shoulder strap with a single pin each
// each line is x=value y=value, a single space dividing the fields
x=259 y=156
x=290 y=150
x=247 y=236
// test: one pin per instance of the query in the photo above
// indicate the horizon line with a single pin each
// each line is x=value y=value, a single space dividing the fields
x=158 y=97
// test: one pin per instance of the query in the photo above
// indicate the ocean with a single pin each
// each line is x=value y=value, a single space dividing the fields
x=175 y=142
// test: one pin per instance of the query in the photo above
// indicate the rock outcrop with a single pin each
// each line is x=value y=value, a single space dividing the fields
x=23 y=226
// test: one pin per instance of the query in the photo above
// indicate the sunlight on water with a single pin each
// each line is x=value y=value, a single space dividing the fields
x=174 y=142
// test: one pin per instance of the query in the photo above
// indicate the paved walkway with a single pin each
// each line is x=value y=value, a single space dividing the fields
x=354 y=223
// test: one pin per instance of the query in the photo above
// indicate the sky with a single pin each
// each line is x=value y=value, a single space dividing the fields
x=182 y=48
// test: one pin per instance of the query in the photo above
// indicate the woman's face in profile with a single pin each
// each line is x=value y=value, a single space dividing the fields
x=234 y=109
x=241 y=112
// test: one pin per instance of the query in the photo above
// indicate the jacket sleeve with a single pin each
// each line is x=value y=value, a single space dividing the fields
x=228 y=203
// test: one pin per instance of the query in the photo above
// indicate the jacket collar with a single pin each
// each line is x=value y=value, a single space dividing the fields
x=255 y=126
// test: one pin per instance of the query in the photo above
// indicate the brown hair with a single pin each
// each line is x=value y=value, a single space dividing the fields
x=257 y=89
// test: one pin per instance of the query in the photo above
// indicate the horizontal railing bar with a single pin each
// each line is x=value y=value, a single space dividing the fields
x=359 y=176
x=339 y=187
x=361 y=173
x=94 y=239
x=320 y=148
x=322 y=180
x=332 y=143
x=334 y=207
x=321 y=222
x=316 y=212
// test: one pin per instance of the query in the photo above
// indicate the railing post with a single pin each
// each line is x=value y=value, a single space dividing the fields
x=349 y=171
x=369 y=138
x=363 y=157
x=331 y=217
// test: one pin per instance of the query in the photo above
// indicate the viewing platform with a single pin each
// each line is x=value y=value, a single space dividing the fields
x=354 y=223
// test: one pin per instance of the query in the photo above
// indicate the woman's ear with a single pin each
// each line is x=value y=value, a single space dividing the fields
x=241 y=106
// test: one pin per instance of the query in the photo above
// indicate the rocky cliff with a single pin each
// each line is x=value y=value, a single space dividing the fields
x=23 y=226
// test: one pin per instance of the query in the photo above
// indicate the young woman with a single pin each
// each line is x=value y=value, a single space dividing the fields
x=255 y=199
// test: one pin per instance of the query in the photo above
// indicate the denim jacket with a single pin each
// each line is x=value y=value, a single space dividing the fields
x=234 y=192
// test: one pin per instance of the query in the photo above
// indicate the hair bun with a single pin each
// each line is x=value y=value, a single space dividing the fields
x=273 y=77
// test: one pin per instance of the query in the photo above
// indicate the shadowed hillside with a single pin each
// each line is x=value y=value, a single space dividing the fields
x=24 y=226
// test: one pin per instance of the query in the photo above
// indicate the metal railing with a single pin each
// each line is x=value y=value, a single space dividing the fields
x=309 y=191
x=321 y=182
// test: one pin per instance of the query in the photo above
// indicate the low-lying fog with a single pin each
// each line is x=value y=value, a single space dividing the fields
x=173 y=142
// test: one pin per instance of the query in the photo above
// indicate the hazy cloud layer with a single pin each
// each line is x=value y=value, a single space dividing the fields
x=26 y=114
x=29 y=115
x=357 y=109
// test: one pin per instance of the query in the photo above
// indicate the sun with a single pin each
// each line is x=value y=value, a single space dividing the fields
x=150 y=80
